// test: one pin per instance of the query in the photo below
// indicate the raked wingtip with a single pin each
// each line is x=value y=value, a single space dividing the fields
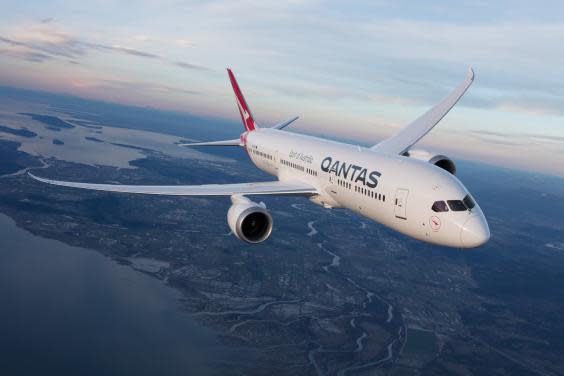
x=470 y=75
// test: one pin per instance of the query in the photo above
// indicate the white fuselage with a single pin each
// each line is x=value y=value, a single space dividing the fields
x=396 y=191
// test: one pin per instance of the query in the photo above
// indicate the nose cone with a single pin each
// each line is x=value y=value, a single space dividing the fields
x=475 y=232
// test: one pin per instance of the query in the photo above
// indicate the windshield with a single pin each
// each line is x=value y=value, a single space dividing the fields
x=469 y=202
x=439 y=206
x=456 y=205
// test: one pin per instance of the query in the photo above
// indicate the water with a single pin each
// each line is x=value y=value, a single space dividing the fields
x=68 y=310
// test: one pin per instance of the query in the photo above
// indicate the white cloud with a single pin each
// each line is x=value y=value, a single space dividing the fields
x=330 y=62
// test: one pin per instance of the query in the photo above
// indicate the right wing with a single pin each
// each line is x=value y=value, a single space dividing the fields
x=413 y=132
x=261 y=188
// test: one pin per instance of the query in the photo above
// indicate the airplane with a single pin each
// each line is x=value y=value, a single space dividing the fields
x=410 y=190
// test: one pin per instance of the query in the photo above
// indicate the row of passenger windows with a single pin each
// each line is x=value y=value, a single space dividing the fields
x=362 y=190
x=344 y=184
x=299 y=167
x=311 y=172
x=261 y=154
x=467 y=203
x=293 y=165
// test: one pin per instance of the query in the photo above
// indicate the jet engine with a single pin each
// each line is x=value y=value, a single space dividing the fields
x=249 y=221
x=438 y=160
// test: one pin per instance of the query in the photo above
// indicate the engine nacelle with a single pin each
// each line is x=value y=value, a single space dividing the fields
x=249 y=220
x=438 y=160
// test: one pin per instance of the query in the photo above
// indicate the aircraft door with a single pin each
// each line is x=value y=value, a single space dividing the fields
x=400 y=203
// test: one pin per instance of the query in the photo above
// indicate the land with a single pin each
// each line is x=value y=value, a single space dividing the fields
x=18 y=132
x=51 y=122
x=329 y=293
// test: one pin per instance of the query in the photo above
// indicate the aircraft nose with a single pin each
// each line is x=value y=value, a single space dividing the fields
x=475 y=232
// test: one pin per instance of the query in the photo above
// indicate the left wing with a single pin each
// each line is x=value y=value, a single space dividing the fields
x=261 y=188
x=405 y=138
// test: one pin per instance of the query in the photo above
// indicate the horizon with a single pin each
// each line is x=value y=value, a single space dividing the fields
x=236 y=126
x=391 y=66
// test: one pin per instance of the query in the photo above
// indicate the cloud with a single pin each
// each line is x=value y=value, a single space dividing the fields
x=497 y=138
x=123 y=50
x=183 y=43
x=127 y=86
x=185 y=65
x=47 y=39
x=43 y=41
x=525 y=103
x=176 y=42
x=531 y=109
x=395 y=100
x=312 y=90
x=24 y=54
x=517 y=139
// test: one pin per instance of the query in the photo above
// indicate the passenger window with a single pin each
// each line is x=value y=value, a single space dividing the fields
x=456 y=205
x=439 y=206
x=469 y=202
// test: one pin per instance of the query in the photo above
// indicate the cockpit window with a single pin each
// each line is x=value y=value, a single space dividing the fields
x=439 y=206
x=469 y=202
x=456 y=205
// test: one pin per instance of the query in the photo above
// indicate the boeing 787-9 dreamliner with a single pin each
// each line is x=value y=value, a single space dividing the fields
x=409 y=190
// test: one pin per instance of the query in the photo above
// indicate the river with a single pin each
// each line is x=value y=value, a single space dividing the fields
x=69 y=310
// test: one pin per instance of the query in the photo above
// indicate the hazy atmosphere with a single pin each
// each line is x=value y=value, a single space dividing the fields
x=358 y=71
x=279 y=253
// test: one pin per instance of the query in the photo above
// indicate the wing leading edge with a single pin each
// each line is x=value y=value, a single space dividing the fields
x=260 y=188
x=405 y=138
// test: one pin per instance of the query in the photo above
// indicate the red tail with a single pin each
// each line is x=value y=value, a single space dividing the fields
x=244 y=110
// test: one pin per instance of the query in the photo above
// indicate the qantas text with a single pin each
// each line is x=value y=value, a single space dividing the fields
x=351 y=172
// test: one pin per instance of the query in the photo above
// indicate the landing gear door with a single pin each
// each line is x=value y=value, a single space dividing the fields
x=400 y=203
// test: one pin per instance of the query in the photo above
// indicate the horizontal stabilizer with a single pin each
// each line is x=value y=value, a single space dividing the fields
x=286 y=123
x=235 y=142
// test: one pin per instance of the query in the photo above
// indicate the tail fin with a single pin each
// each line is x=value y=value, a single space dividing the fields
x=244 y=110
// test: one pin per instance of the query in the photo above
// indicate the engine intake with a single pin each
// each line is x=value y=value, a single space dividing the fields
x=439 y=160
x=249 y=221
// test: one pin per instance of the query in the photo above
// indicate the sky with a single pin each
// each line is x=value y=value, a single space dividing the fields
x=355 y=69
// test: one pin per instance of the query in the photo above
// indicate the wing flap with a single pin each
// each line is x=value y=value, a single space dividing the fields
x=260 y=188
x=405 y=138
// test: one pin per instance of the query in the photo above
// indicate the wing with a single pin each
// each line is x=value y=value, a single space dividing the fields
x=261 y=188
x=405 y=138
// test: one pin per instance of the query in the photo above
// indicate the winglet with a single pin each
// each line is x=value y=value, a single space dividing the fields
x=244 y=110
x=470 y=75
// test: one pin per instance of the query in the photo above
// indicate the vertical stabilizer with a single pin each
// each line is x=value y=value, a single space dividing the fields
x=244 y=110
